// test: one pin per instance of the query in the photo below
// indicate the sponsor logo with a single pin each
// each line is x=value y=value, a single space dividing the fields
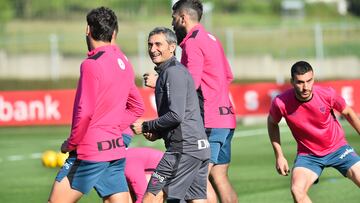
x=154 y=181
x=224 y=110
x=110 y=144
x=67 y=165
x=347 y=151
x=212 y=37
x=121 y=64
x=203 y=144
x=322 y=109
x=158 y=178
x=46 y=109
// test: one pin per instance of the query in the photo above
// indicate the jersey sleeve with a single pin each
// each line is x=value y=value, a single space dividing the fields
x=84 y=102
x=193 y=60
x=338 y=103
x=275 y=111
x=176 y=90
x=228 y=72
x=134 y=107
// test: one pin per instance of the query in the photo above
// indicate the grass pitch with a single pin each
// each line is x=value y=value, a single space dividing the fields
x=252 y=171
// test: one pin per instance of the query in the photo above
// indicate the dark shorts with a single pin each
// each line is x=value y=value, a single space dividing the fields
x=220 y=144
x=180 y=176
x=106 y=177
x=342 y=160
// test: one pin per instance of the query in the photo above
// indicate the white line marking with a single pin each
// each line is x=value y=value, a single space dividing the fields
x=259 y=131
x=35 y=155
x=15 y=157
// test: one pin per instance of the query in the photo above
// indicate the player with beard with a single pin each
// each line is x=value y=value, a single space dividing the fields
x=309 y=112
x=203 y=55
x=106 y=103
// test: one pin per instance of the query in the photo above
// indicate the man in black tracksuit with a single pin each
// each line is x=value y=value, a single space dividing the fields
x=182 y=172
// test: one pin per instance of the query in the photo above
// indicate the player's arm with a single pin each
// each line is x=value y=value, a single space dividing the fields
x=274 y=134
x=84 y=104
x=339 y=105
x=176 y=90
x=134 y=107
x=352 y=118
x=193 y=60
x=228 y=73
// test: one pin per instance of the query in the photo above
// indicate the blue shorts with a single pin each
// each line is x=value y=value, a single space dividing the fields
x=127 y=139
x=220 y=144
x=342 y=159
x=106 y=177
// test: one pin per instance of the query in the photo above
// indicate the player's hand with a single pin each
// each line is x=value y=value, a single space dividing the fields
x=151 y=136
x=150 y=79
x=64 y=147
x=136 y=127
x=282 y=166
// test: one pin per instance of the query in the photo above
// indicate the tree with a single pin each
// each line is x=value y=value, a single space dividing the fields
x=354 y=7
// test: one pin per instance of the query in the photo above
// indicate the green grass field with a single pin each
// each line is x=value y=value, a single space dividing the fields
x=24 y=179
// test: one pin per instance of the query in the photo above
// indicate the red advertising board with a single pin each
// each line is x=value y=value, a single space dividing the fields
x=54 y=107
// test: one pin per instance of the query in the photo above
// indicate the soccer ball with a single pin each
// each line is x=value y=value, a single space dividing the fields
x=49 y=159
x=61 y=158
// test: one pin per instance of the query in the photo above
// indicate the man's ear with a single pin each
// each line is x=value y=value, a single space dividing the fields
x=114 y=34
x=184 y=19
x=87 y=30
x=172 y=48
x=113 y=37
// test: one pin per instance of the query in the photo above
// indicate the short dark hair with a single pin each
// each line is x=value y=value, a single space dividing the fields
x=102 y=22
x=169 y=34
x=300 y=68
x=194 y=8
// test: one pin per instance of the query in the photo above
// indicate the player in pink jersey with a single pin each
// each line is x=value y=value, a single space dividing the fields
x=106 y=103
x=203 y=55
x=309 y=113
x=141 y=162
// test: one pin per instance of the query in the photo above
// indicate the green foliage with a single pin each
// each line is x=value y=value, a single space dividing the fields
x=6 y=12
x=247 y=6
x=256 y=6
x=321 y=10
x=67 y=9
x=354 y=7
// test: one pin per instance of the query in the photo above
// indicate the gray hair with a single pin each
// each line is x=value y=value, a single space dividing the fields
x=169 y=34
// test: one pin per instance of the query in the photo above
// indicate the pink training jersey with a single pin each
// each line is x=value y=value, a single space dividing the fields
x=106 y=103
x=312 y=123
x=205 y=59
x=140 y=161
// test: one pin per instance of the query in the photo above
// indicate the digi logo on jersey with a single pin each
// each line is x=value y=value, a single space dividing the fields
x=224 y=110
x=110 y=144
x=203 y=144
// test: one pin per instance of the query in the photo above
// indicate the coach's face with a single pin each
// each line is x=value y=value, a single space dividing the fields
x=303 y=85
x=159 y=49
